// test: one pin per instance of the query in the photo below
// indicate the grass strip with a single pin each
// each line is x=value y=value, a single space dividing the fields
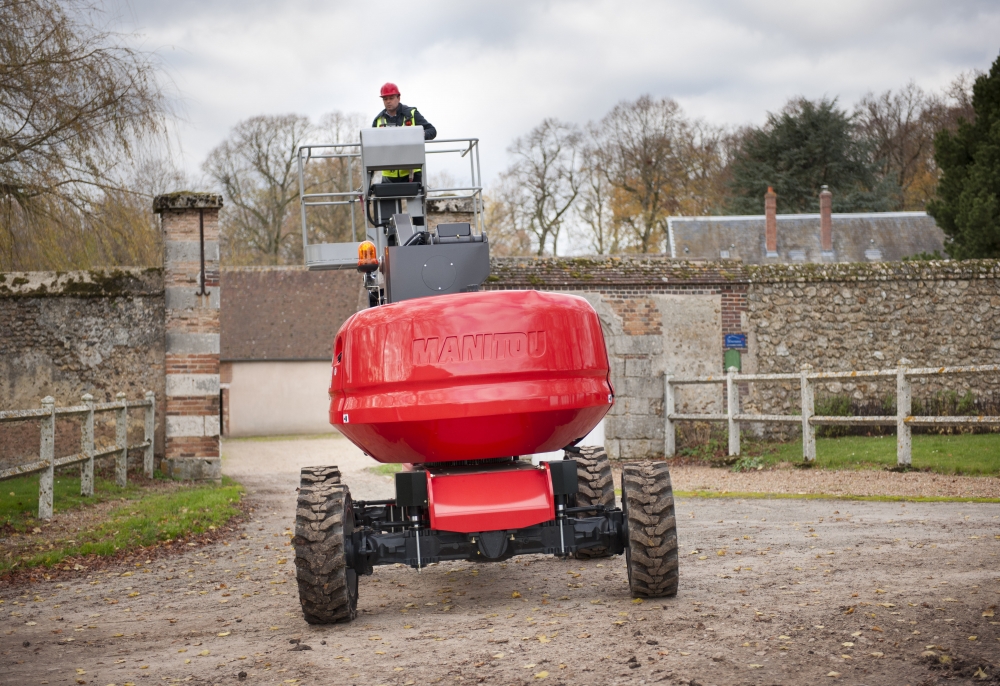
x=968 y=454
x=144 y=522
x=19 y=497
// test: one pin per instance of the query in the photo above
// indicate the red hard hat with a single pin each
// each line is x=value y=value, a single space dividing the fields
x=389 y=89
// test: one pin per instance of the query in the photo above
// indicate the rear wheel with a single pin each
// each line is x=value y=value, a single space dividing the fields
x=651 y=549
x=596 y=487
x=328 y=589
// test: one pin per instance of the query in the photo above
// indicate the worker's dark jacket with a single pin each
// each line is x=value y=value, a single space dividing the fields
x=405 y=116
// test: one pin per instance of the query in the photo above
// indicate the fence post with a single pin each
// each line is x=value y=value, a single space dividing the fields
x=904 y=399
x=87 y=448
x=732 y=409
x=670 y=429
x=808 y=410
x=47 y=453
x=147 y=455
x=121 y=442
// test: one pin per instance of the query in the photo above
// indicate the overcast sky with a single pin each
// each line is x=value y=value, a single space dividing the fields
x=494 y=70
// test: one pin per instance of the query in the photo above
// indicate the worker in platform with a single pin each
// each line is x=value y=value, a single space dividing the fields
x=397 y=114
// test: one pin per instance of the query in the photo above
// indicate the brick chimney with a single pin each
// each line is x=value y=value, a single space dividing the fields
x=771 y=222
x=825 y=220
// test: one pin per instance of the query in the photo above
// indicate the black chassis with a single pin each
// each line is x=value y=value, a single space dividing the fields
x=387 y=533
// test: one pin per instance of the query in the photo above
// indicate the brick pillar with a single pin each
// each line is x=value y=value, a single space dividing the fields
x=190 y=224
x=771 y=222
x=826 y=221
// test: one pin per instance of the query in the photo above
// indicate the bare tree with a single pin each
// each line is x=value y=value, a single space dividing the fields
x=595 y=207
x=332 y=223
x=505 y=219
x=659 y=164
x=255 y=167
x=76 y=103
x=543 y=182
x=900 y=127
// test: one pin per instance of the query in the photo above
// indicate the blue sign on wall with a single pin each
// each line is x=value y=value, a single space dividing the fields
x=736 y=340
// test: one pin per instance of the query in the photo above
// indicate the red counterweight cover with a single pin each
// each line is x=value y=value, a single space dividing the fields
x=470 y=376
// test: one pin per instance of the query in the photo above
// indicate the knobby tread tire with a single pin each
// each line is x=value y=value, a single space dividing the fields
x=651 y=551
x=596 y=487
x=327 y=589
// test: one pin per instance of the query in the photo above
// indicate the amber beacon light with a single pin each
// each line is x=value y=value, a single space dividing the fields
x=367 y=257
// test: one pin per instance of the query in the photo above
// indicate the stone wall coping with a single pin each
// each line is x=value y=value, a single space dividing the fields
x=93 y=283
x=186 y=200
x=611 y=270
x=917 y=270
x=646 y=270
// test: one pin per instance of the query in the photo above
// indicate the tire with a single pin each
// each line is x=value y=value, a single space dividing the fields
x=328 y=590
x=651 y=549
x=596 y=487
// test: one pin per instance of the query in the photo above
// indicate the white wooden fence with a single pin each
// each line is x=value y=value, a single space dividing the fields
x=809 y=420
x=47 y=461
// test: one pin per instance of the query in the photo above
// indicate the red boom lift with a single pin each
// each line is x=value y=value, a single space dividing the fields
x=461 y=385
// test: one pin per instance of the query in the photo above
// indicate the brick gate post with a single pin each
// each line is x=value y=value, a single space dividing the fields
x=190 y=224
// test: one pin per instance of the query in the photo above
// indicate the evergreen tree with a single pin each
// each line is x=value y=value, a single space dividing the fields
x=967 y=207
x=806 y=146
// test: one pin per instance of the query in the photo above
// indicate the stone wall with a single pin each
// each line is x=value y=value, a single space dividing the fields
x=66 y=334
x=869 y=316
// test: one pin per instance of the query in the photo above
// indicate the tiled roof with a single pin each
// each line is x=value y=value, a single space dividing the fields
x=284 y=313
x=867 y=237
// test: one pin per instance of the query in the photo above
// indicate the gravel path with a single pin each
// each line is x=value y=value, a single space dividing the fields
x=772 y=591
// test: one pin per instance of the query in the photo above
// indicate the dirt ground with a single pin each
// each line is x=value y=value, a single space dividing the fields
x=772 y=592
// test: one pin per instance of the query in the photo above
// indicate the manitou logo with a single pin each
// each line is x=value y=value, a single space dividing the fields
x=478 y=347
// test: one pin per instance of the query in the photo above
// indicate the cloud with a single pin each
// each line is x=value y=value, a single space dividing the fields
x=494 y=70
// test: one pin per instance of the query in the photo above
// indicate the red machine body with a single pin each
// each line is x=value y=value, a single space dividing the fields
x=490 y=501
x=470 y=376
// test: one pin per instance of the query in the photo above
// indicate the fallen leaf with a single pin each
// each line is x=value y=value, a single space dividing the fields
x=224 y=633
x=541 y=675
x=754 y=666
x=497 y=656
x=973 y=638
x=834 y=674
x=876 y=654
x=515 y=594
x=204 y=653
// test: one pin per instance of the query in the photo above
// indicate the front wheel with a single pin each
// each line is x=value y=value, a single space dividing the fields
x=596 y=487
x=651 y=549
x=328 y=588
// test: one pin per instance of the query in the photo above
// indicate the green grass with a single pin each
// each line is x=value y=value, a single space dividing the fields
x=145 y=521
x=972 y=454
x=386 y=469
x=19 y=497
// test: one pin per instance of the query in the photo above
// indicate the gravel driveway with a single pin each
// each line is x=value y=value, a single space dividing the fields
x=772 y=592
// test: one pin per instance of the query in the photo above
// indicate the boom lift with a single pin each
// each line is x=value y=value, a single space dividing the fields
x=461 y=385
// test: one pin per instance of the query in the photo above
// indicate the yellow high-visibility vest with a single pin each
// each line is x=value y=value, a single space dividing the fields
x=396 y=173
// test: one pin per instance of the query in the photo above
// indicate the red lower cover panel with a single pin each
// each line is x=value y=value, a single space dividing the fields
x=490 y=501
